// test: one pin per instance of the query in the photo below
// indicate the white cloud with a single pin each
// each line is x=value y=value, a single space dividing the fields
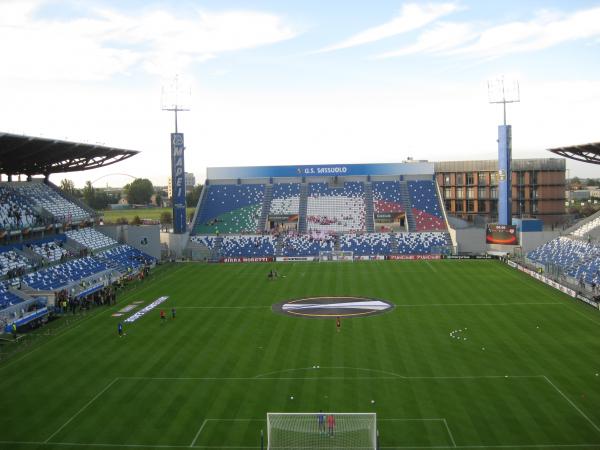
x=544 y=31
x=412 y=16
x=109 y=42
x=442 y=37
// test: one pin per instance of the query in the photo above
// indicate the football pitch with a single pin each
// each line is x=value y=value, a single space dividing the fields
x=473 y=355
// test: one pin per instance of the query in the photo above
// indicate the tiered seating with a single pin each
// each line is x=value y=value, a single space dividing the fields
x=11 y=260
x=386 y=197
x=63 y=274
x=367 y=244
x=589 y=271
x=426 y=206
x=286 y=199
x=336 y=210
x=248 y=246
x=52 y=251
x=208 y=241
x=8 y=298
x=15 y=211
x=578 y=259
x=230 y=208
x=46 y=197
x=587 y=227
x=424 y=243
x=90 y=238
x=306 y=245
x=124 y=257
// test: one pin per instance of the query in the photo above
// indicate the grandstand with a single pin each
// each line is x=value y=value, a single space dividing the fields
x=47 y=243
x=370 y=210
x=576 y=254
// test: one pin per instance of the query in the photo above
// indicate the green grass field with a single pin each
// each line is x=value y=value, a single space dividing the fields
x=523 y=375
x=111 y=216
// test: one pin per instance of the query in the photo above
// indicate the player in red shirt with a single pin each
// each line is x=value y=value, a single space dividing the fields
x=330 y=424
x=163 y=318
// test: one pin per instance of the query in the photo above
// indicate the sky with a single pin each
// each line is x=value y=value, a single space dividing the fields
x=300 y=82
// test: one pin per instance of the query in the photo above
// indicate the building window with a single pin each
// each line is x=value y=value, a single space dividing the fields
x=459 y=206
x=482 y=178
x=470 y=205
x=448 y=205
x=447 y=192
x=460 y=179
x=494 y=178
x=534 y=207
x=482 y=192
x=447 y=181
x=534 y=177
x=494 y=207
x=534 y=193
x=521 y=178
x=460 y=193
x=470 y=192
x=481 y=206
x=470 y=179
x=493 y=192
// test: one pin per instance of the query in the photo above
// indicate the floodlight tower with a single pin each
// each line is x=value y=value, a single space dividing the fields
x=499 y=91
x=171 y=100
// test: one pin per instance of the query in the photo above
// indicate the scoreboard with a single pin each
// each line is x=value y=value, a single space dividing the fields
x=501 y=234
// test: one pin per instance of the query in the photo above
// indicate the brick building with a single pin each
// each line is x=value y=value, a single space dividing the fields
x=469 y=189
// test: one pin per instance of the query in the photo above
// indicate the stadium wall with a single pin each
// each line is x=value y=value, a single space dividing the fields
x=143 y=237
x=176 y=243
x=469 y=240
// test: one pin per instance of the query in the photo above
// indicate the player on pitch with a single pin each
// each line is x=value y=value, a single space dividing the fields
x=321 y=421
x=330 y=424
x=338 y=323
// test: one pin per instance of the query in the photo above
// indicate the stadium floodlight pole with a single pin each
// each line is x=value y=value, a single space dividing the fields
x=171 y=101
x=500 y=92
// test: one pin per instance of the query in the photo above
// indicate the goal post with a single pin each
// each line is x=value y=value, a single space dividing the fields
x=336 y=255
x=321 y=430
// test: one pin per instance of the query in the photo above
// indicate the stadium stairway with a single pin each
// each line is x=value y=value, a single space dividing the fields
x=405 y=196
x=394 y=243
x=369 y=218
x=216 y=253
x=303 y=208
x=279 y=246
x=266 y=206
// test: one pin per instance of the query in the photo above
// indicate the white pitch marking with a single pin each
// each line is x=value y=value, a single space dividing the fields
x=82 y=409
x=449 y=433
x=198 y=433
x=572 y=404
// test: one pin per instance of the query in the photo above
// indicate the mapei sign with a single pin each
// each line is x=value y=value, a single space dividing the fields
x=178 y=182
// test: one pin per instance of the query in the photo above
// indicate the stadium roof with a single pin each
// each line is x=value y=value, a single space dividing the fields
x=587 y=152
x=42 y=156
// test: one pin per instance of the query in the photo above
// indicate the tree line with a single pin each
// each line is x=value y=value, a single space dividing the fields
x=138 y=192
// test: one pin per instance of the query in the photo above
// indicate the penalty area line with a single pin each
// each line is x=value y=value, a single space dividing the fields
x=82 y=409
x=198 y=433
x=572 y=404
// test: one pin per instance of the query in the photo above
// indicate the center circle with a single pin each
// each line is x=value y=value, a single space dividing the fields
x=332 y=307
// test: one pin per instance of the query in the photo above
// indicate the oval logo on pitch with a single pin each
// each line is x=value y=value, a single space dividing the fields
x=332 y=307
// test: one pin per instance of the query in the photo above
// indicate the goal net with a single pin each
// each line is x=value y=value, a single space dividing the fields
x=321 y=430
x=336 y=255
